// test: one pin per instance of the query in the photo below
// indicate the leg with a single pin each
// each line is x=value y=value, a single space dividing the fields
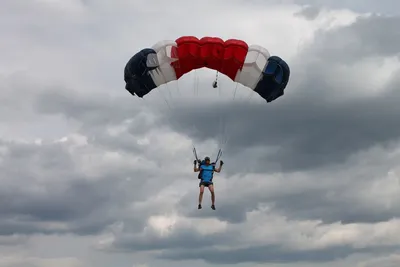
x=201 y=194
x=211 y=188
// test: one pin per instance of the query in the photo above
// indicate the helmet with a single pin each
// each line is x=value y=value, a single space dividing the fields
x=206 y=158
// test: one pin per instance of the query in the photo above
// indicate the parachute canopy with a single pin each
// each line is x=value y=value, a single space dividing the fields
x=251 y=66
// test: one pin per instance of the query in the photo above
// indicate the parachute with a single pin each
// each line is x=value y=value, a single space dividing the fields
x=252 y=66
x=249 y=65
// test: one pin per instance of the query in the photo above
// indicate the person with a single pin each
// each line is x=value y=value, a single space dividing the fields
x=206 y=170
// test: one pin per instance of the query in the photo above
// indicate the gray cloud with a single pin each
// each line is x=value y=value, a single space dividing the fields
x=120 y=173
x=362 y=39
x=309 y=133
x=272 y=254
x=385 y=6
x=309 y=12
x=311 y=129
x=61 y=194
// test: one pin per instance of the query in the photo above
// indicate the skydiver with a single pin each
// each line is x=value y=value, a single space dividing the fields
x=206 y=170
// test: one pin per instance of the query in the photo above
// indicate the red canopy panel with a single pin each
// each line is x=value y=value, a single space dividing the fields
x=211 y=52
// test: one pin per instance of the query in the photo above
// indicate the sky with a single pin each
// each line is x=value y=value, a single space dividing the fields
x=94 y=177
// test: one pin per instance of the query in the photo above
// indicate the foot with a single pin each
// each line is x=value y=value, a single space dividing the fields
x=199 y=206
x=213 y=207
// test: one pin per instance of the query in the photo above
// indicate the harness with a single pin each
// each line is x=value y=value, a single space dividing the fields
x=203 y=161
x=202 y=170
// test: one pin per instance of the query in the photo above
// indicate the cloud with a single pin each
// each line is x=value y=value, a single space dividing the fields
x=325 y=116
x=263 y=237
x=16 y=261
x=92 y=176
x=386 y=261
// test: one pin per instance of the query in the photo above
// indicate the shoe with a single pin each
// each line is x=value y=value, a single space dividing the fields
x=199 y=206
x=213 y=207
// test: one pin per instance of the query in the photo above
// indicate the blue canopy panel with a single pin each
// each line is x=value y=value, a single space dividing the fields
x=275 y=78
x=136 y=74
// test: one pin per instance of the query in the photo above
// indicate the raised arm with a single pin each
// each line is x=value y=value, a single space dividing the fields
x=220 y=166
x=195 y=168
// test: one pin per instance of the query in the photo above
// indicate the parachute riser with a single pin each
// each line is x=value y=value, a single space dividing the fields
x=219 y=155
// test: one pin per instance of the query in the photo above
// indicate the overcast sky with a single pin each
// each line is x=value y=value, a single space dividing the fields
x=93 y=177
